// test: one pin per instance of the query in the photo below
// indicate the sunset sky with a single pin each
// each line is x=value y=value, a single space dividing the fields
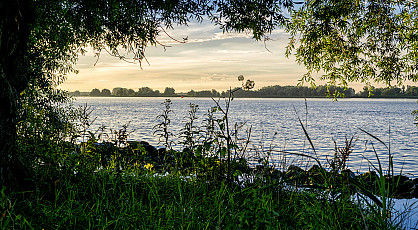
x=209 y=60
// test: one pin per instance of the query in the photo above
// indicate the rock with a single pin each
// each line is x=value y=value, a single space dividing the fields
x=406 y=189
x=149 y=148
x=400 y=186
x=296 y=172
x=276 y=174
x=315 y=170
x=343 y=179
x=415 y=192
x=369 y=179
x=398 y=179
x=316 y=175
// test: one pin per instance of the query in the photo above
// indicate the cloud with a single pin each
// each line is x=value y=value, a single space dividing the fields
x=221 y=35
x=209 y=60
x=234 y=60
x=215 y=77
x=236 y=52
x=200 y=33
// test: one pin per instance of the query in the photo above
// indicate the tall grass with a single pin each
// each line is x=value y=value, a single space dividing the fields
x=148 y=201
x=106 y=182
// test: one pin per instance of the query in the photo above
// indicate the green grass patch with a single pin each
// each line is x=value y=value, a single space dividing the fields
x=150 y=201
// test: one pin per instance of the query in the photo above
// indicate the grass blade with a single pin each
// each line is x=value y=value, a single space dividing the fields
x=365 y=191
x=374 y=137
x=306 y=133
x=302 y=155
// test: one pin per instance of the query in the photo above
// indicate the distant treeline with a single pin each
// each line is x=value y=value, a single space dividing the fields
x=268 y=91
x=390 y=92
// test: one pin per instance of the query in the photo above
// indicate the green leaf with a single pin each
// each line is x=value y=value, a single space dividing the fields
x=199 y=151
x=223 y=152
x=207 y=145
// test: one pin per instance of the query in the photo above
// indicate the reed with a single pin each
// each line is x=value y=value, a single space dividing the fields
x=110 y=183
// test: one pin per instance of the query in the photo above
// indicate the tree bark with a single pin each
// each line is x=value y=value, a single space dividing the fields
x=15 y=72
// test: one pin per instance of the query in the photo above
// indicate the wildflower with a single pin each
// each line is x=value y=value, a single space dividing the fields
x=148 y=166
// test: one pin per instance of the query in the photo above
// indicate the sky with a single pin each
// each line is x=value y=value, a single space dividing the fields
x=210 y=59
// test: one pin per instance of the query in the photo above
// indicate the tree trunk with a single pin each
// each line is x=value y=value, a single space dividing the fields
x=15 y=73
x=7 y=131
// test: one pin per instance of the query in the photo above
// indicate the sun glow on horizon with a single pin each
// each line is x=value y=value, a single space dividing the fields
x=208 y=60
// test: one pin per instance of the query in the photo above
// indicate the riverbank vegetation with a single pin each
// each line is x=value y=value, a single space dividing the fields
x=275 y=91
x=57 y=173
x=214 y=178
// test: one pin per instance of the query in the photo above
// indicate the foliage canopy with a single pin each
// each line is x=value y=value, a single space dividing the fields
x=347 y=40
x=356 y=41
x=40 y=41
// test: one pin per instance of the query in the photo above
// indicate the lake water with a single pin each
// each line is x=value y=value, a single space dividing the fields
x=275 y=125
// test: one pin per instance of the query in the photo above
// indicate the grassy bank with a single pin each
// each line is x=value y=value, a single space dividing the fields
x=138 y=200
x=106 y=182
x=180 y=190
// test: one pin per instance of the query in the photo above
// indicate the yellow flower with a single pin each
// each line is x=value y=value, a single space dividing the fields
x=148 y=166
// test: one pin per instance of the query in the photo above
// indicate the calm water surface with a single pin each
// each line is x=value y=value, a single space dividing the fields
x=275 y=124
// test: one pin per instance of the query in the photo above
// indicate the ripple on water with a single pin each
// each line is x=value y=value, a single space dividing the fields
x=326 y=121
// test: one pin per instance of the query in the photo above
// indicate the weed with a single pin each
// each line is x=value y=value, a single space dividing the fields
x=162 y=129
x=190 y=132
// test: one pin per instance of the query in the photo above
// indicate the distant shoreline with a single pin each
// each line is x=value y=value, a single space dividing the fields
x=275 y=91
x=186 y=96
